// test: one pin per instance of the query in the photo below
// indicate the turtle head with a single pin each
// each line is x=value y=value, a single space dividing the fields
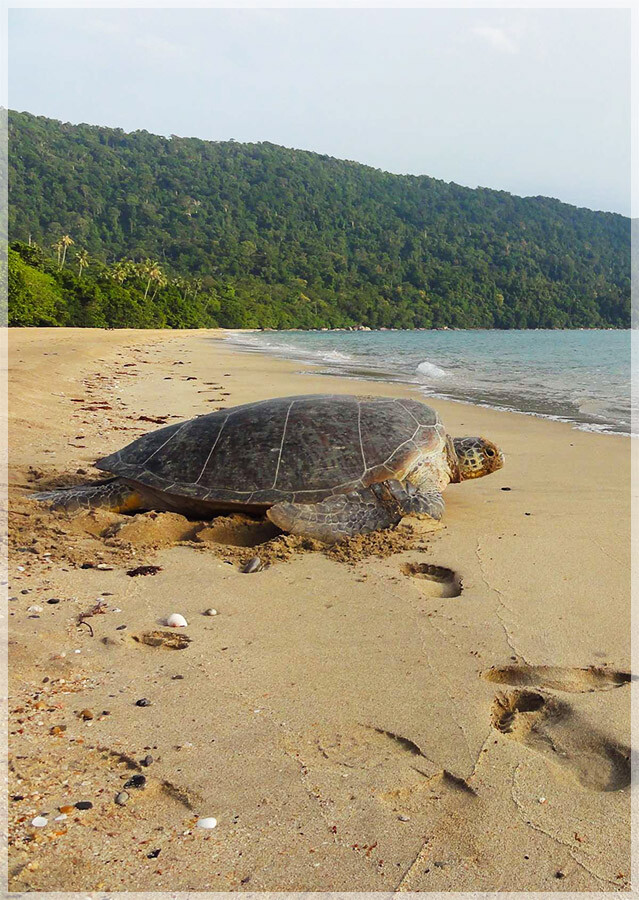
x=477 y=456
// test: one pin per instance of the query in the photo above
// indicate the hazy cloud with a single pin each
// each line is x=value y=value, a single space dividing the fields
x=498 y=37
x=100 y=26
x=159 y=47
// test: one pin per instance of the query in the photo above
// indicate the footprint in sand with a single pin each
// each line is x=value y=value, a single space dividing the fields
x=549 y=726
x=557 y=678
x=372 y=747
x=436 y=581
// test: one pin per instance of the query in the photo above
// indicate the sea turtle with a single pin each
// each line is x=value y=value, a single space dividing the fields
x=326 y=466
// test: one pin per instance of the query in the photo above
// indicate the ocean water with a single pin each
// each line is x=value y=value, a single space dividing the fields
x=581 y=377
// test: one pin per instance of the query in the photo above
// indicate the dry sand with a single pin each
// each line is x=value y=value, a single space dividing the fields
x=437 y=711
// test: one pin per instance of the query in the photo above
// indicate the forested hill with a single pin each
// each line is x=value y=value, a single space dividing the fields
x=279 y=238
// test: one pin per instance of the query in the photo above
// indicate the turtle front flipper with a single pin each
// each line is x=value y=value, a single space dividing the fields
x=345 y=515
x=115 y=495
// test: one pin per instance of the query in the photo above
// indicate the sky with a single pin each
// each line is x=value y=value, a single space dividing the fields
x=531 y=101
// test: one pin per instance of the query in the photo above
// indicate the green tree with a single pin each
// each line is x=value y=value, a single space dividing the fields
x=82 y=257
x=268 y=223
x=65 y=241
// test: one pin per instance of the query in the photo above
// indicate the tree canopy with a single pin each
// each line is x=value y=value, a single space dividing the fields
x=265 y=236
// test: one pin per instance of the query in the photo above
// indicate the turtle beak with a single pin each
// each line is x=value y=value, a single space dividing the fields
x=497 y=461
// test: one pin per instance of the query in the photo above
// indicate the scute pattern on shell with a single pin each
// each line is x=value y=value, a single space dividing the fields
x=299 y=449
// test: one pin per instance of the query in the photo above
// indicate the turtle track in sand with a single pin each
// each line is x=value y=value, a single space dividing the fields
x=558 y=678
x=550 y=727
x=436 y=581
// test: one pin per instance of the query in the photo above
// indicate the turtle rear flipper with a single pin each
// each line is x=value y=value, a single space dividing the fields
x=361 y=511
x=115 y=495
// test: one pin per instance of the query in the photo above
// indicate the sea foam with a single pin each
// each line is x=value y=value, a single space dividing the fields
x=430 y=370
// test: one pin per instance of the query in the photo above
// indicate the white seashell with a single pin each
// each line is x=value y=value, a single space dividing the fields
x=40 y=822
x=61 y=817
x=210 y=612
x=207 y=822
x=175 y=620
x=34 y=609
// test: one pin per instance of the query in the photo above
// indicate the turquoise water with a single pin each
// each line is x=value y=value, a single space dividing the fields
x=581 y=377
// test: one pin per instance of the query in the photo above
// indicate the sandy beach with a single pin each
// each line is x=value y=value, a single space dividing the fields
x=437 y=710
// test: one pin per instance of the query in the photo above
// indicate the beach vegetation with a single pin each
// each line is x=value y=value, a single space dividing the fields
x=182 y=232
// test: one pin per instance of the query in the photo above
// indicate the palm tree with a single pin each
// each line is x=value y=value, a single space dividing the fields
x=82 y=257
x=151 y=271
x=122 y=270
x=58 y=248
x=160 y=281
x=181 y=285
x=66 y=242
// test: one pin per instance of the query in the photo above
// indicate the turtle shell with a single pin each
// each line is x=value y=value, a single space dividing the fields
x=299 y=449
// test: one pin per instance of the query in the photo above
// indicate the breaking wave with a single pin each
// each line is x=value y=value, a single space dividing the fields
x=430 y=370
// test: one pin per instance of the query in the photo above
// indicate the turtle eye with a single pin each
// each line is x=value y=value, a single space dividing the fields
x=489 y=452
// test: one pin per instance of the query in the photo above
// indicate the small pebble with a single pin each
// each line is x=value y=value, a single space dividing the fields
x=66 y=809
x=153 y=854
x=25 y=591
x=144 y=570
x=121 y=798
x=53 y=600
x=404 y=818
x=120 y=628
x=86 y=714
x=210 y=612
x=34 y=609
x=84 y=804
x=136 y=781
x=39 y=822
x=146 y=762
x=143 y=702
x=175 y=620
x=103 y=567
x=207 y=822
x=61 y=817
x=253 y=565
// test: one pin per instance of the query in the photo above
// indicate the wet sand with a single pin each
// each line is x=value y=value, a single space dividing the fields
x=436 y=711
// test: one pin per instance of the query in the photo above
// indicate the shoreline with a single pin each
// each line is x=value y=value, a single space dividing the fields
x=428 y=393
x=450 y=686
